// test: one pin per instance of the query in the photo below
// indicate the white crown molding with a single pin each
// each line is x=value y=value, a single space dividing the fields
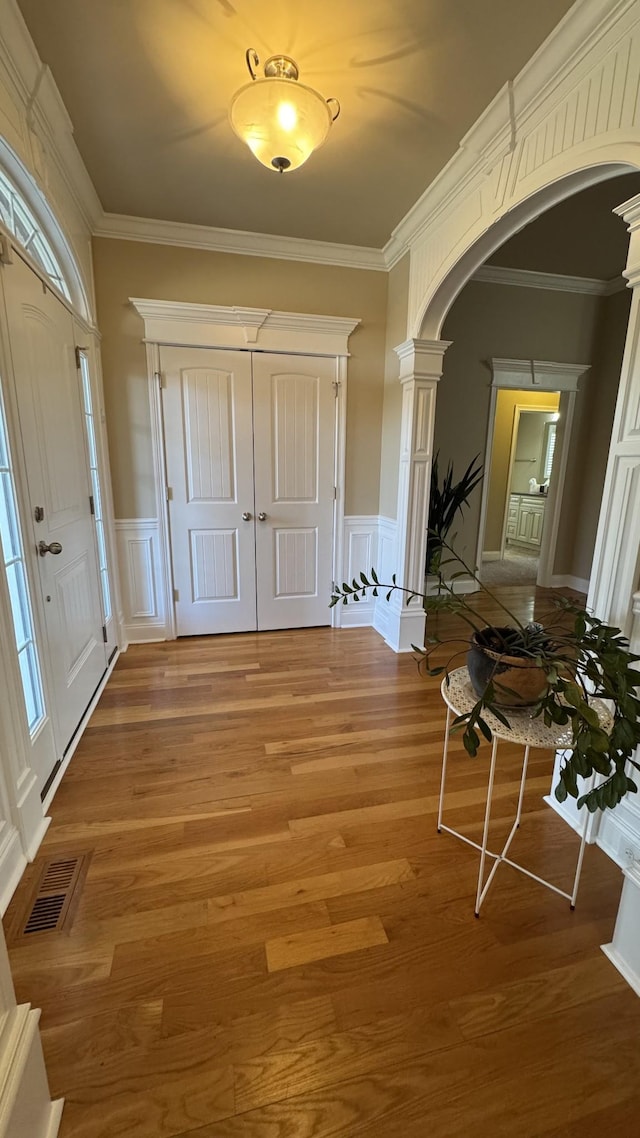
x=169 y=322
x=554 y=282
x=238 y=241
x=566 y=52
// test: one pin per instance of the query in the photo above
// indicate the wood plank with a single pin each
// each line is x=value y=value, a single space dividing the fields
x=303 y=890
x=333 y=940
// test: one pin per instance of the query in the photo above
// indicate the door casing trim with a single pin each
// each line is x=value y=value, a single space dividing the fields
x=167 y=323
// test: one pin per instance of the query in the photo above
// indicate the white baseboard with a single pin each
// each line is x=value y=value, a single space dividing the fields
x=13 y=862
x=567 y=581
x=568 y=810
x=619 y=962
x=565 y=811
x=26 y=1109
x=461 y=585
x=624 y=949
x=492 y=555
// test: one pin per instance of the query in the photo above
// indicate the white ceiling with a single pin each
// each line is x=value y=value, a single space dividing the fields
x=148 y=84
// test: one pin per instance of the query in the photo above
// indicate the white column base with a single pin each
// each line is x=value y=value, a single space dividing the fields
x=401 y=628
x=624 y=949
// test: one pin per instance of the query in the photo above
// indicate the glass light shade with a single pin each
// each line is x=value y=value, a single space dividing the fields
x=280 y=119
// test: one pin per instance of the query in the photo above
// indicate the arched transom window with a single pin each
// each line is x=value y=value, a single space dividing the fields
x=19 y=220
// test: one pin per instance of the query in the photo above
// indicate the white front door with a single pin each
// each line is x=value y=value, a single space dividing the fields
x=51 y=425
x=249 y=444
x=294 y=413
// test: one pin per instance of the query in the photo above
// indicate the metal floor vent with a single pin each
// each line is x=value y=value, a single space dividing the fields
x=53 y=900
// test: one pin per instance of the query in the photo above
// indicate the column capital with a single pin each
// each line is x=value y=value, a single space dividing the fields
x=421 y=359
x=629 y=211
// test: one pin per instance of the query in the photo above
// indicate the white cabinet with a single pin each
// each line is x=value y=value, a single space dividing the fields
x=525 y=519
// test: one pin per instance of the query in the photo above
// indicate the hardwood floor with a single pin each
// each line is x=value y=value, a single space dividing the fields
x=274 y=942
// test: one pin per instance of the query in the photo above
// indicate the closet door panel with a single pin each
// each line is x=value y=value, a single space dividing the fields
x=294 y=416
x=208 y=426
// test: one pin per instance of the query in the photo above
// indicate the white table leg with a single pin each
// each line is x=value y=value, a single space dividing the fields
x=583 y=843
x=444 y=768
x=487 y=818
x=525 y=763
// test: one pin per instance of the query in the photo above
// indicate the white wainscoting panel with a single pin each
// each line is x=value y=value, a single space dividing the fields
x=619 y=833
x=360 y=555
x=386 y=567
x=139 y=559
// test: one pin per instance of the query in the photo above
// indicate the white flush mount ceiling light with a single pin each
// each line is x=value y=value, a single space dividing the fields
x=281 y=121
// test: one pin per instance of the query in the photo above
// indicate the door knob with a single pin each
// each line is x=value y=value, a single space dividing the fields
x=246 y=517
x=262 y=517
x=54 y=547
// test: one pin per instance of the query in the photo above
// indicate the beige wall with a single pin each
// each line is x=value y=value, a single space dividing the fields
x=506 y=404
x=127 y=268
x=490 y=320
x=397 y=305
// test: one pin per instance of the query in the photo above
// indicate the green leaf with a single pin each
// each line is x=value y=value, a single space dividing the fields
x=561 y=792
x=573 y=695
x=485 y=728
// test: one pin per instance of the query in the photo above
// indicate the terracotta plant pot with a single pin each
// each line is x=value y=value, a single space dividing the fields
x=517 y=680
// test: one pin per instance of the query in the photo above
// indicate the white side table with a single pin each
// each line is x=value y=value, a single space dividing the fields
x=460 y=698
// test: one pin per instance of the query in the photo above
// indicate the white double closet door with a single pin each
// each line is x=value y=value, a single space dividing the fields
x=250 y=456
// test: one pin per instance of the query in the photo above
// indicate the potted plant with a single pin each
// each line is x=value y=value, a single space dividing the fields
x=567 y=660
x=446 y=499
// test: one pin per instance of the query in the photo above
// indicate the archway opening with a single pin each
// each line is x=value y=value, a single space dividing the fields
x=551 y=295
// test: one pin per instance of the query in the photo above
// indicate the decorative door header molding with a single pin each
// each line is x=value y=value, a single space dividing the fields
x=539 y=375
x=261 y=329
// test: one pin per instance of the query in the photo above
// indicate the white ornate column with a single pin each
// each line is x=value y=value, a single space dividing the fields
x=620 y=836
x=614 y=596
x=615 y=572
x=421 y=364
x=616 y=562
